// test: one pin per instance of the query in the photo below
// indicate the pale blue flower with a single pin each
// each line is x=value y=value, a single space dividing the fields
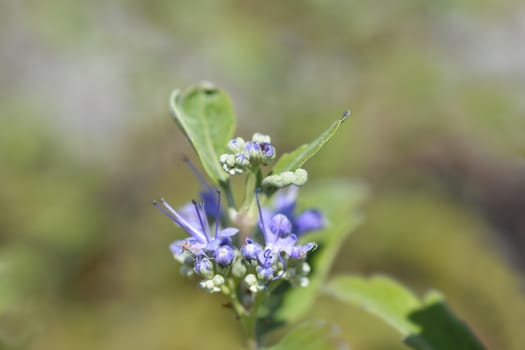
x=201 y=240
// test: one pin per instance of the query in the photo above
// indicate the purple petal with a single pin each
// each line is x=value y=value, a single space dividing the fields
x=285 y=200
x=309 y=220
x=300 y=252
x=227 y=232
x=286 y=244
x=280 y=225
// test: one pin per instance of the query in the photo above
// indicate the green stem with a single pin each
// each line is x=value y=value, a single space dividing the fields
x=250 y=321
x=226 y=188
x=247 y=215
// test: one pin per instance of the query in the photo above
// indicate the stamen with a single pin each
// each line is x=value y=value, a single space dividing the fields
x=218 y=213
x=195 y=172
x=260 y=211
x=165 y=212
x=179 y=220
x=197 y=208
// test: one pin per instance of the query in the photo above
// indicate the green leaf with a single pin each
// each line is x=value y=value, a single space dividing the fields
x=205 y=115
x=338 y=200
x=309 y=336
x=424 y=324
x=295 y=159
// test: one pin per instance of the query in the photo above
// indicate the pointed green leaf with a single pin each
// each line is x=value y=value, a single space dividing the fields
x=205 y=115
x=338 y=200
x=295 y=159
x=309 y=336
x=424 y=324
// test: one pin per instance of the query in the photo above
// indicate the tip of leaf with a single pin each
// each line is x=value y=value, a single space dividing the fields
x=345 y=115
x=207 y=85
x=173 y=97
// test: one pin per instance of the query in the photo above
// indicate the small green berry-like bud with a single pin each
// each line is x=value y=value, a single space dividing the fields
x=250 y=279
x=209 y=286
x=301 y=176
x=304 y=268
x=252 y=283
x=238 y=268
x=287 y=178
x=218 y=280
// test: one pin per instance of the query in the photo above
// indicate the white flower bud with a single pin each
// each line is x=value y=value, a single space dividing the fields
x=301 y=176
x=259 y=138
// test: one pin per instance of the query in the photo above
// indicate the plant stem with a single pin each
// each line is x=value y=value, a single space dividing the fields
x=247 y=215
x=250 y=321
x=228 y=193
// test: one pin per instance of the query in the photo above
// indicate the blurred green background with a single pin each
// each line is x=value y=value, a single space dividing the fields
x=437 y=130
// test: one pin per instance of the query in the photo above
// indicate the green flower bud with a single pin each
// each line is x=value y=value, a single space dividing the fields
x=238 y=269
x=287 y=178
x=252 y=283
x=301 y=176
x=218 y=280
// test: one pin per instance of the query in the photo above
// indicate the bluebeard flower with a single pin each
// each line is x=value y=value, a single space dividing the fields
x=251 y=249
x=200 y=241
x=285 y=203
x=278 y=241
x=224 y=255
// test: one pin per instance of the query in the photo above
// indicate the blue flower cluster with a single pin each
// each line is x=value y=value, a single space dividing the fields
x=247 y=155
x=215 y=253
x=242 y=252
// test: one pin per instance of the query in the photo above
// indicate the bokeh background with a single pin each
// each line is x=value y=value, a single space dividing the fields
x=437 y=132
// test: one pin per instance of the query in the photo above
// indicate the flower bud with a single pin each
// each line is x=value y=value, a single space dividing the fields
x=204 y=267
x=267 y=152
x=304 y=268
x=241 y=160
x=250 y=250
x=261 y=138
x=252 y=283
x=301 y=176
x=218 y=280
x=224 y=255
x=254 y=151
x=236 y=145
x=186 y=270
x=238 y=269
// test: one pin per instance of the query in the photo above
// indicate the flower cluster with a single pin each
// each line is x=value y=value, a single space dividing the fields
x=247 y=155
x=245 y=252
x=221 y=260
